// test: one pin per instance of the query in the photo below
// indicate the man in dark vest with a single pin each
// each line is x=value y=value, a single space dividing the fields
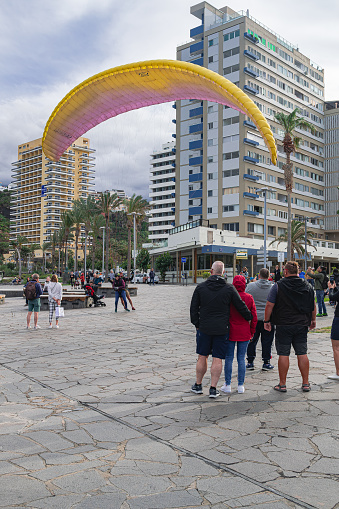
x=291 y=307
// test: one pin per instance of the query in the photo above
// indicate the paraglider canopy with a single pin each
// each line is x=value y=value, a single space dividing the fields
x=132 y=86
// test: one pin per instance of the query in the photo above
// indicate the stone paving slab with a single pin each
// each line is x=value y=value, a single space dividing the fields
x=99 y=414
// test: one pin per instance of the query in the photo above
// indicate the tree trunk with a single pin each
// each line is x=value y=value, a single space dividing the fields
x=93 y=253
x=107 y=248
x=76 y=251
x=129 y=252
x=85 y=254
x=290 y=254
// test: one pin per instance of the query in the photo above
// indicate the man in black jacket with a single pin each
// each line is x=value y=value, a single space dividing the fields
x=210 y=311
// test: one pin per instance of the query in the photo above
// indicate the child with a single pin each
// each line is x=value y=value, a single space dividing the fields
x=241 y=331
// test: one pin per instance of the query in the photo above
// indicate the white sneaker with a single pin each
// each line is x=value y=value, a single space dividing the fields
x=28 y=327
x=226 y=388
x=333 y=377
x=37 y=327
x=50 y=326
x=57 y=326
x=241 y=389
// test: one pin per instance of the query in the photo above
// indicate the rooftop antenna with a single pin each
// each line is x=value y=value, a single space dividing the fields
x=248 y=13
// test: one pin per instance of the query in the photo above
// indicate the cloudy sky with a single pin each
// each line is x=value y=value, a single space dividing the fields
x=47 y=47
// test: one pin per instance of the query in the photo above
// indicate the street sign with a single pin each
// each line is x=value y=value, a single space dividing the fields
x=281 y=256
x=183 y=260
x=241 y=254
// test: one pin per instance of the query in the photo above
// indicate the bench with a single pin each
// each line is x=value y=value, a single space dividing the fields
x=70 y=301
x=2 y=299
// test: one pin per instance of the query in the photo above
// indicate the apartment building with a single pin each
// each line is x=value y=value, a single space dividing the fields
x=221 y=158
x=43 y=189
x=162 y=193
x=332 y=170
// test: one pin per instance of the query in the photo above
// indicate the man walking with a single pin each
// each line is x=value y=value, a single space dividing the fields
x=259 y=291
x=292 y=300
x=32 y=292
x=210 y=311
x=151 y=276
x=319 y=278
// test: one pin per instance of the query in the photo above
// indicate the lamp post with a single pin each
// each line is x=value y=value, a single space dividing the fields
x=305 y=221
x=103 y=248
x=134 y=241
x=264 y=190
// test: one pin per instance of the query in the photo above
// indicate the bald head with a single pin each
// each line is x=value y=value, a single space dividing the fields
x=218 y=268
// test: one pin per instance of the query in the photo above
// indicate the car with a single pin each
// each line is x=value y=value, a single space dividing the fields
x=139 y=278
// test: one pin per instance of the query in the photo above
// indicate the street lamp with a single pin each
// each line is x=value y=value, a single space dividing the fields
x=103 y=248
x=264 y=190
x=305 y=221
x=134 y=241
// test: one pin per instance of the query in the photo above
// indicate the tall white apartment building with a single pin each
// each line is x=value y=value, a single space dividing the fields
x=43 y=189
x=222 y=160
x=332 y=170
x=162 y=193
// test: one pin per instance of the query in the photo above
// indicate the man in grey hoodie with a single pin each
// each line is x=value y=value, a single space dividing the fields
x=259 y=291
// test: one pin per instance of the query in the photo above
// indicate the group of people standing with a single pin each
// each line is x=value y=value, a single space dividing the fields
x=231 y=316
x=33 y=291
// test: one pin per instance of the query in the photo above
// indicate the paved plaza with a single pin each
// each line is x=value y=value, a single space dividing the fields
x=99 y=415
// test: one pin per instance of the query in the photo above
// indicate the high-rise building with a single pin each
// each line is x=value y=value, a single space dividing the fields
x=332 y=170
x=221 y=157
x=44 y=189
x=162 y=196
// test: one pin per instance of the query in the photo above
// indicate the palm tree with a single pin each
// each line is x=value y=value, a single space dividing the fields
x=17 y=245
x=66 y=227
x=136 y=205
x=107 y=202
x=54 y=241
x=290 y=144
x=89 y=208
x=45 y=246
x=96 y=222
x=78 y=219
x=297 y=238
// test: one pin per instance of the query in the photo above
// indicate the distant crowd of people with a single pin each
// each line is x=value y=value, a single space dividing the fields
x=231 y=317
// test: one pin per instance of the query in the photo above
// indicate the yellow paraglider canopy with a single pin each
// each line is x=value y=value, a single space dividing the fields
x=132 y=86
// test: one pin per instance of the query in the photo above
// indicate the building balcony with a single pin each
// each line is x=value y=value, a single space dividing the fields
x=195 y=211
x=251 y=38
x=250 y=195
x=195 y=145
x=197 y=32
x=254 y=178
x=248 y=123
x=195 y=177
x=251 y=142
x=249 y=159
x=198 y=61
x=196 y=112
x=250 y=213
x=196 y=128
x=196 y=48
x=250 y=72
x=251 y=90
x=195 y=194
x=195 y=161
x=251 y=55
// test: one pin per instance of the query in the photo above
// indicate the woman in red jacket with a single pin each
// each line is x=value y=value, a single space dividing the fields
x=241 y=331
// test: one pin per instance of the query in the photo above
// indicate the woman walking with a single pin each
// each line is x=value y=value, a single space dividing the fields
x=241 y=331
x=54 y=299
x=334 y=297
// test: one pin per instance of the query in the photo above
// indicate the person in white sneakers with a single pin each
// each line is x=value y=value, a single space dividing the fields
x=334 y=297
x=54 y=299
x=241 y=331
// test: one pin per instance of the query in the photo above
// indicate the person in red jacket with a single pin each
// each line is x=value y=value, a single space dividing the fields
x=241 y=331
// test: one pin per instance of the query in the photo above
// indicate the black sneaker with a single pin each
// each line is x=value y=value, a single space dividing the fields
x=214 y=393
x=250 y=366
x=197 y=388
x=267 y=366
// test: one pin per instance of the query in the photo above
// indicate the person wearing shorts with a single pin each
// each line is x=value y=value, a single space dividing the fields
x=292 y=303
x=34 y=304
x=334 y=297
x=210 y=311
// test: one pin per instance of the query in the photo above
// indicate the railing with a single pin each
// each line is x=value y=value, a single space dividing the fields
x=189 y=226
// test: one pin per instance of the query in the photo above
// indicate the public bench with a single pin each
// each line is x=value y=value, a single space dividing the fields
x=69 y=301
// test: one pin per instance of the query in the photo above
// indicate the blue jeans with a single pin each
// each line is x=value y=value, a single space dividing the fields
x=117 y=297
x=320 y=301
x=241 y=354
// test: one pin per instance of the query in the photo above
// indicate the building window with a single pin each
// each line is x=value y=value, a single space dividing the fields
x=255 y=228
x=210 y=159
x=229 y=121
x=232 y=227
x=230 y=208
x=210 y=125
x=230 y=155
x=230 y=190
x=209 y=210
x=210 y=59
x=210 y=193
x=230 y=173
x=271 y=230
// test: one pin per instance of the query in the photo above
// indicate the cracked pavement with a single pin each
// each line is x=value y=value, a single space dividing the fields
x=99 y=414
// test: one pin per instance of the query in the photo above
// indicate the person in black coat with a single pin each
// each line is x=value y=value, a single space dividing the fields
x=210 y=311
x=334 y=297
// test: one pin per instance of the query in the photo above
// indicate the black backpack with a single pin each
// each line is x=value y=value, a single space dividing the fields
x=30 y=290
x=324 y=282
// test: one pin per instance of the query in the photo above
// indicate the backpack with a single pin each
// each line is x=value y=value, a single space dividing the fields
x=30 y=290
x=324 y=282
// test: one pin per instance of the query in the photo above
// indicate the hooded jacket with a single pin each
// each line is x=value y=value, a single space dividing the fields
x=210 y=306
x=241 y=329
x=259 y=291
x=294 y=302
